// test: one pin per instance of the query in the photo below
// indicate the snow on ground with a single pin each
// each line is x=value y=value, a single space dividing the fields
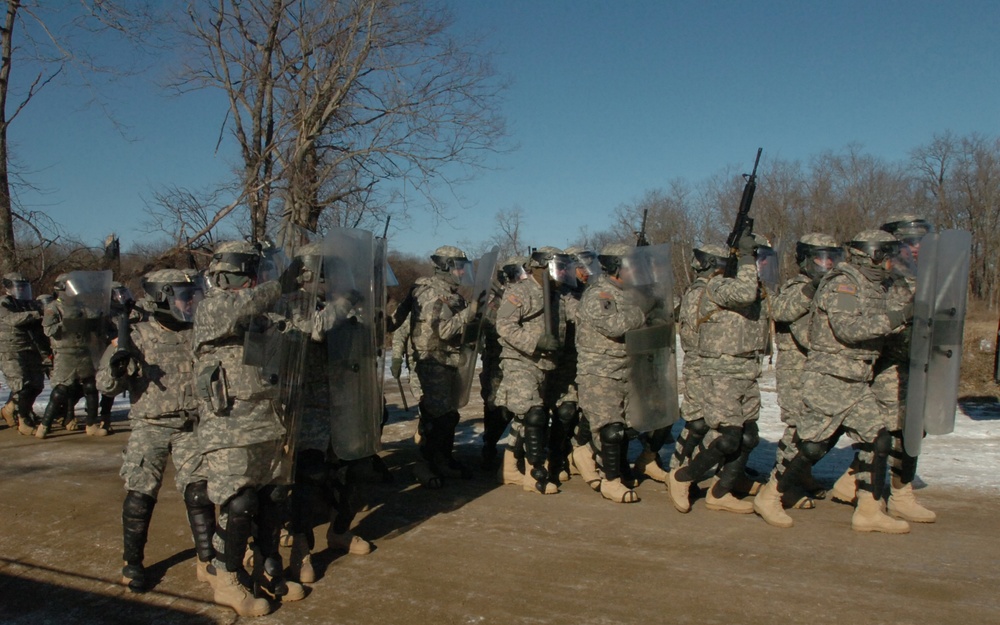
x=967 y=458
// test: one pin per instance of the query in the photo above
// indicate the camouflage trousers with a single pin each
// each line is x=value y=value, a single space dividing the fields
x=150 y=444
x=788 y=384
x=69 y=367
x=23 y=371
x=889 y=385
x=728 y=401
x=603 y=400
x=832 y=403
x=439 y=385
x=489 y=380
x=231 y=469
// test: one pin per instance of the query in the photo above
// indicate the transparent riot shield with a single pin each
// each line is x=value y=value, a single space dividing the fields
x=351 y=333
x=383 y=278
x=652 y=350
x=86 y=306
x=936 y=342
x=486 y=267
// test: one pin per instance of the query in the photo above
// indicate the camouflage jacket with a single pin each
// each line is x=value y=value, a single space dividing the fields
x=897 y=346
x=521 y=322
x=848 y=324
x=159 y=376
x=603 y=318
x=438 y=317
x=75 y=334
x=20 y=328
x=790 y=311
x=732 y=324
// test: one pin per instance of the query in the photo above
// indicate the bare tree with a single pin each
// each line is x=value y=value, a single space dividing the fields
x=342 y=104
x=56 y=41
x=508 y=237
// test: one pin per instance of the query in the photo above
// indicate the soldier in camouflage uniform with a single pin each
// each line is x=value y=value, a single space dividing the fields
x=73 y=367
x=816 y=254
x=402 y=350
x=495 y=417
x=848 y=323
x=320 y=477
x=240 y=430
x=155 y=368
x=23 y=347
x=706 y=261
x=438 y=316
x=605 y=314
x=732 y=335
x=529 y=357
x=892 y=370
x=122 y=303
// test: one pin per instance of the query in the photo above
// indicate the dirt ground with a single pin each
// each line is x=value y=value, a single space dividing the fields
x=474 y=552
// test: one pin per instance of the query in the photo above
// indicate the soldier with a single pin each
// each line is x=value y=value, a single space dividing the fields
x=438 y=318
x=531 y=323
x=122 y=303
x=402 y=351
x=75 y=327
x=816 y=254
x=732 y=335
x=239 y=429
x=23 y=348
x=605 y=314
x=893 y=367
x=154 y=366
x=848 y=323
x=495 y=417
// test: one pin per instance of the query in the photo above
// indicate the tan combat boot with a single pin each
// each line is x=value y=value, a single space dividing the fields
x=767 y=504
x=509 y=473
x=232 y=593
x=679 y=492
x=583 y=458
x=869 y=517
x=617 y=492
x=7 y=412
x=42 y=431
x=648 y=464
x=728 y=503
x=265 y=584
x=201 y=572
x=354 y=545
x=845 y=489
x=96 y=430
x=300 y=560
x=903 y=504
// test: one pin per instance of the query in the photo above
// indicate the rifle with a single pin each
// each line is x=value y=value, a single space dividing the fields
x=744 y=223
x=640 y=239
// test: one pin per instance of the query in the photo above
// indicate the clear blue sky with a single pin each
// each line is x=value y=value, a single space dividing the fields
x=609 y=100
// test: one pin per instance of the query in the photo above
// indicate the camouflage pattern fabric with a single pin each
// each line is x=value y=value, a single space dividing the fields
x=732 y=325
x=563 y=387
x=72 y=352
x=438 y=316
x=150 y=443
x=491 y=373
x=790 y=310
x=402 y=347
x=603 y=317
x=693 y=406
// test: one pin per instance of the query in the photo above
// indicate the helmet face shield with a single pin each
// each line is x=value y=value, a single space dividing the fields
x=183 y=300
x=20 y=290
x=461 y=268
x=588 y=261
x=877 y=251
x=562 y=269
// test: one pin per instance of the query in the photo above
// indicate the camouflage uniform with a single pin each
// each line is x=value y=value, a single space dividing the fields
x=23 y=346
x=694 y=405
x=164 y=414
x=527 y=369
x=402 y=350
x=495 y=417
x=732 y=334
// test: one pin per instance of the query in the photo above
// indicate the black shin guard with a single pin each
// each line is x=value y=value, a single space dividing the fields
x=23 y=401
x=536 y=422
x=201 y=517
x=655 y=440
x=273 y=501
x=612 y=436
x=91 y=399
x=725 y=445
x=583 y=435
x=240 y=511
x=880 y=465
x=137 y=511
x=694 y=432
x=58 y=402
x=734 y=466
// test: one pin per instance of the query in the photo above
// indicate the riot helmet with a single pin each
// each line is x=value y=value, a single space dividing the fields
x=512 y=270
x=17 y=286
x=174 y=292
x=909 y=230
x=560 y=267
x=709 y=258
x=453 y=265
x=235 y=265
x=611 y=258
x=817 y=253
x=767 y=262
x=873 y=248
x=310 y=258
x=586 y=262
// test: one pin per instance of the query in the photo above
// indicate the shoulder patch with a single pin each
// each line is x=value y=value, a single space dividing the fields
x=850 y=289
x=514 y=299
x=605 y=295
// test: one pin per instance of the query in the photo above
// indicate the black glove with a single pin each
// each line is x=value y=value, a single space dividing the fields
x=547 y=343
x=746 y=245
x=396 y=367
x=118 y=364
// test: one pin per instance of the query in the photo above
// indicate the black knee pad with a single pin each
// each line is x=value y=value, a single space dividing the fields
x=138 y=505
x=612 y=434
x=751 y=435
x=883 y=443
x=813 y=451
x=243 y=504
x=729 y=439
x=89 y=387
x=59 y=394
x=566 y=413
x=537 y=417
x=273 y=494
x=196 y=495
